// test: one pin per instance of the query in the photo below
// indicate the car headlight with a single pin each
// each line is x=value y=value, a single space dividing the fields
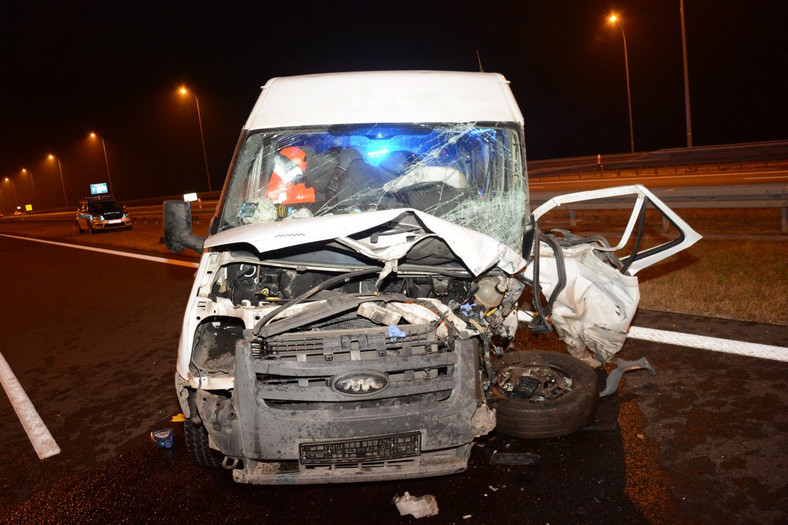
x=360 y=383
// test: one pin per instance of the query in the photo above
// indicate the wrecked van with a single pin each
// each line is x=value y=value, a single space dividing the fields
x=372 y=255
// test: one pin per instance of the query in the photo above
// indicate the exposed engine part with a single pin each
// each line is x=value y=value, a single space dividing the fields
x=490 y=291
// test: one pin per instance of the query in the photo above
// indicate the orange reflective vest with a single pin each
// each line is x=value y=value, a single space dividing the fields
x=289 y=166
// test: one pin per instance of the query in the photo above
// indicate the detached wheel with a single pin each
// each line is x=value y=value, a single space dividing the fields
x=543 y=394
x=197 y=446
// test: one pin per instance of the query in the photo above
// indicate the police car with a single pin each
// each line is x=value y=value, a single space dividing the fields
x=97 y=213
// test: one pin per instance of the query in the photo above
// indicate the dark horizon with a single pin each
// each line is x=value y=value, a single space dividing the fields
x=114 y=68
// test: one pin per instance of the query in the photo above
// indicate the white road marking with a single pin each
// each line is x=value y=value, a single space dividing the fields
x=151 y=258
x=37 y=431
x=765 y=178
x=716 y=344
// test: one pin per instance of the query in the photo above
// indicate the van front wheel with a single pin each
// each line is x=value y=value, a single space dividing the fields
x=197 y=446
x=539 y=394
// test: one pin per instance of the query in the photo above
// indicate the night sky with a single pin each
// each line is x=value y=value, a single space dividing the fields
x=69 y=67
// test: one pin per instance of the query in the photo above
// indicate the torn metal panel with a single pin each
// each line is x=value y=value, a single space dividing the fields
x=600 y=296
x=687 y=236
x=595 y=307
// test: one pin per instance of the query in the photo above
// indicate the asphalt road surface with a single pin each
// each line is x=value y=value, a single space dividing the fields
x=92 y=339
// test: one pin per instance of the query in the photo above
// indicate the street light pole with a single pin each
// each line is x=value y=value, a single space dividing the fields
x=33 y=183
x=62 y=181
x=686 y=75
x=93 y=135
x=13 y=189
x=184 y=91
x=614 y=20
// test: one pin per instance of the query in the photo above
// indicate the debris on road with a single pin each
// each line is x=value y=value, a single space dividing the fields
x=162 y=438
x=419 y=506
x=514 y=458
x=623 y=367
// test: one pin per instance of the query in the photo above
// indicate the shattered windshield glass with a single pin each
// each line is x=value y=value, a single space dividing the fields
x=471 y=174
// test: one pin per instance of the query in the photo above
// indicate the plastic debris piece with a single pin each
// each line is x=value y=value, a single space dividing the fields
x=395 y=333
x=178 y=418
x=514 y=458
x=162 y=438
x=418 y=507
x=613 y=379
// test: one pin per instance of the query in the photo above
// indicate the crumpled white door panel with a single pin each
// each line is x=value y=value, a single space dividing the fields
x=595 y=308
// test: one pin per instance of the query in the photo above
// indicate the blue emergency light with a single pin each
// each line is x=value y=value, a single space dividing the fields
x=99 y=188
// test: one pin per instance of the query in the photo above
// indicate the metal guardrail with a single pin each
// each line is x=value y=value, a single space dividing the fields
x=709 y=197
x=689 y=159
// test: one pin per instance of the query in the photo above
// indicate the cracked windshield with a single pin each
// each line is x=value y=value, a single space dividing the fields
x=469 y=174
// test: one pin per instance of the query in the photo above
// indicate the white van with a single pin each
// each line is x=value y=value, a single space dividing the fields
x=362 y=277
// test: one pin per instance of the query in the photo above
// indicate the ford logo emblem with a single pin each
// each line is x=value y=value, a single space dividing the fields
x=360 y=383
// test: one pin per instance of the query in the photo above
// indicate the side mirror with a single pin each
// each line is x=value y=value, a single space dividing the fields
x=178 y=232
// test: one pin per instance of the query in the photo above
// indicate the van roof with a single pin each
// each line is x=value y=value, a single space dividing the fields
x=384 y=97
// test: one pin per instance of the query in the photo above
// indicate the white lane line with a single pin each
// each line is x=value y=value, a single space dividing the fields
x=36 y=430
x=716 y=344
x=151 y=258
x=765 y=178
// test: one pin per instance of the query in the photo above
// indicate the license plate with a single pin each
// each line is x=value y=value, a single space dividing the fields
x=361 y=450
x=115 y=221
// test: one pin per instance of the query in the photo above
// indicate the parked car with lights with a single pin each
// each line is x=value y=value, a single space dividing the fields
x=101 y=213
x=371 y=257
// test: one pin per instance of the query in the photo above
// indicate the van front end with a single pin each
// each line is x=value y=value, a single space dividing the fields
x=355 y=407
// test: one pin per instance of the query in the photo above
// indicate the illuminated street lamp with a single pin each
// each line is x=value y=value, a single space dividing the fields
x=613 y=19
x=184 y=91
x=94 y=135
x=13 y=188
x=62 y=182
x=32 y=182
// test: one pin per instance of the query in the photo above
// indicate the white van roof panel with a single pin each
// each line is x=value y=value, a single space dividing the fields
x=384 y=97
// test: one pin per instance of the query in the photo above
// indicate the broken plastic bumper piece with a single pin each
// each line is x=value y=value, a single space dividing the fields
x=624 y=366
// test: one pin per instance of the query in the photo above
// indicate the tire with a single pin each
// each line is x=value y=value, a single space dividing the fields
x=197 y=446
x=79 y=228
x=90 y=228
x=550 y=409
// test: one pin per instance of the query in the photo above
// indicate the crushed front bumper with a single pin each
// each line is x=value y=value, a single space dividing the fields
x=288 y=426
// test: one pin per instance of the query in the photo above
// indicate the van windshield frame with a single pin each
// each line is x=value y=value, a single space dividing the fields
x=471 y=174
